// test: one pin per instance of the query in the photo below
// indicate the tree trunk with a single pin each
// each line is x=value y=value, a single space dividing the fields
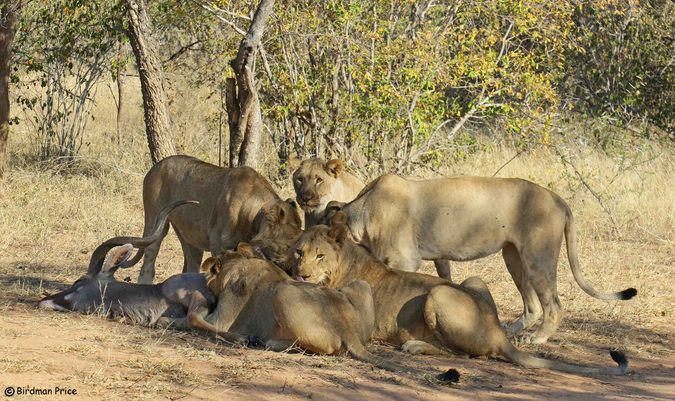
x=120 y=90
x=9 y=19
x=232 y=119
x=156 y=111
x=243 y=105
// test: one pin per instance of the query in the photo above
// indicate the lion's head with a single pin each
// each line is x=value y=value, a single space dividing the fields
x=313 y=180
x=278 y=225
x=316 y=254
x=219 y=269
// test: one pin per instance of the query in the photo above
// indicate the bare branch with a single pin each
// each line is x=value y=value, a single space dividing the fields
x=183 y=49
x=217 y=13
x=566 y=161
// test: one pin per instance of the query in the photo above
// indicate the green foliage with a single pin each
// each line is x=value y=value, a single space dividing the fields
x=621 y=64
x=394 y=82
x=388 y=74
x=63 y=47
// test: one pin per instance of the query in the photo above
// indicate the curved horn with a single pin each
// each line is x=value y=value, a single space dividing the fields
x=97 y=257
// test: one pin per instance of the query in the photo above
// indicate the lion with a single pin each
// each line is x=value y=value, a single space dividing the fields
x=317 y=182
x=259 y=301
x=235 y=204
x=421 y=313
x=403 y=222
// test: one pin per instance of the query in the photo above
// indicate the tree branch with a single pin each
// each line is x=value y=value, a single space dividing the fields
x=217 y=13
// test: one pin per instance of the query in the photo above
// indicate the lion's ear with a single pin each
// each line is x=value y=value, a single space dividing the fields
x=246 y=250
x=266 y=212
x=211 y=266
x=293 y=163
x=292 y=202
x=295 y=211
x=339 y=233
x=334 y=167
x=276 y=213
x=331 y=209
x=338 y=217
x=335 y=205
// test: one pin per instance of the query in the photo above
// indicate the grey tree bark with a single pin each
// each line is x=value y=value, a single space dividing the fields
x=9 y=20
x=155 y=107
x=120 y=77
x=242 y=102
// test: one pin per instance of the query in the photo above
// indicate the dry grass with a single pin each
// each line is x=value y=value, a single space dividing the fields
x=52 y=218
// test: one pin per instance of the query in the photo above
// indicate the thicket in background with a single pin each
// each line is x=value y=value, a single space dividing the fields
x=388 y=84
x=63 y=49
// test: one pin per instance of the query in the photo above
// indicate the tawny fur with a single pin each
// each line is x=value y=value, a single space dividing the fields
x=421 y=313
x=406 y=221
x=231 y=204
x=317 y=182
x=256 y=298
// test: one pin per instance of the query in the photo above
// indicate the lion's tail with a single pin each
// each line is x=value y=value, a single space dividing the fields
x=571 y=240
x=360 y=353
x=529 y=361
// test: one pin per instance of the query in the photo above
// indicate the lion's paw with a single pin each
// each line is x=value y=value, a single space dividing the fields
x=415 y=347
x=531 y=339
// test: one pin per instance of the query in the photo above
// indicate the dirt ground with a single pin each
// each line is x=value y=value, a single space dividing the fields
x=104 y=359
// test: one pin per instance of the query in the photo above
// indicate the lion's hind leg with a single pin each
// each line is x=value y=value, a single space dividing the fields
x=532 y=310
x=477 y=285
x=305 y=321
x=541 y=267
x=462 y=320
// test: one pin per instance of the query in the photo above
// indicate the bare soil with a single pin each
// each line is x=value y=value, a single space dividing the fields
x=103 y=359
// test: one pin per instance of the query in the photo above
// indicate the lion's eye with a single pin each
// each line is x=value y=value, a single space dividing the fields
x=319 y=181
x=298 y=253
x=319 y=256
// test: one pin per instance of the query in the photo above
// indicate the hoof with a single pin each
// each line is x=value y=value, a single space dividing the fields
x=513 y=327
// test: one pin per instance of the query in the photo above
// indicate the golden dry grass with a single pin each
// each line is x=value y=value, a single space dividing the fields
x=52 y=218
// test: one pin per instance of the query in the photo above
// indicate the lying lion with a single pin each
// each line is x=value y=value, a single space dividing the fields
x=317 y=182
x=421 y=313
x=463 y=218
x=258 y=300
x=235 y=204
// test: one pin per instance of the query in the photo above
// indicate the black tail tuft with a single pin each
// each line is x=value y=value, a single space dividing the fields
x=628 y=293
x=620 y=358
x=451 y=376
